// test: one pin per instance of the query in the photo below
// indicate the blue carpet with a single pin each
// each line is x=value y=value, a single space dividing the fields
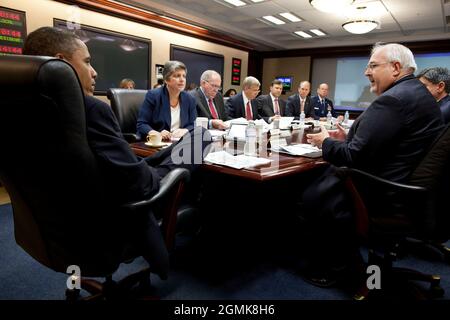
x=249 y=278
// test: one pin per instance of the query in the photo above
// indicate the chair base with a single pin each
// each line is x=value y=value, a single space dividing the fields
x=112 y=290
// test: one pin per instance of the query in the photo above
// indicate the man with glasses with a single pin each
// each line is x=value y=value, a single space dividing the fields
x=243 y=104
x=210 y=101
x=388 y=140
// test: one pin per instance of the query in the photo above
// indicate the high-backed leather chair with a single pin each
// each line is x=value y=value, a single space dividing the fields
x=388 y=213
x=125 y=104
x=62 y=215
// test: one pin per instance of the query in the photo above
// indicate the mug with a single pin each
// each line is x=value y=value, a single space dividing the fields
x=154 y=138
x=201 y=122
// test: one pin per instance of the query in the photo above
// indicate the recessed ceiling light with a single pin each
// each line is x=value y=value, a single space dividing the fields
x=303 y=34
x=273 y=20
x=257 y=0
x=236 y=3
x=290 y=17
x=318 y=32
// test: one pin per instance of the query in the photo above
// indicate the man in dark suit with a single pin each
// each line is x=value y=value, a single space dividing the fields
x=127 y=177
x=388 y=140
x=437 y=81
x=271 y=106
x=210 y=101
x=243 y=104
x=321 y=104
x=300 y=101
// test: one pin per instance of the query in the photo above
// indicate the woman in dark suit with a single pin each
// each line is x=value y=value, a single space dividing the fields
x=168 y=110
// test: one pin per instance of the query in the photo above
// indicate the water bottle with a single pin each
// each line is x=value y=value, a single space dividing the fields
x=302 y=118
x=329 y=116
x=346 y=116
x=250 y=139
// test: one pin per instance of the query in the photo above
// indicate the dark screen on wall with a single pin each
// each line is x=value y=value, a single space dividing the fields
x=197 y=62
x=115 y=56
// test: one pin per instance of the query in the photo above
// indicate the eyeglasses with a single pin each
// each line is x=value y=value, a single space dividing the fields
x=215 y=86
x=373 y=65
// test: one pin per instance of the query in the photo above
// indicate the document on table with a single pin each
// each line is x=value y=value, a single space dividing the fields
x=305 y=150
x=237 y=162
x=285 y=123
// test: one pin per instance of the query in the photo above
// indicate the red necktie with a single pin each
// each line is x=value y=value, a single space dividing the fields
x=277 y=107
x=248 y=112
x=212 y=110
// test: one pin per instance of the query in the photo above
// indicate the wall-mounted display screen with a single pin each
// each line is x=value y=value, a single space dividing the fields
x=13 y=31
x=236 y=68
x=287 y=83
x=196 y=62
x=115 y=56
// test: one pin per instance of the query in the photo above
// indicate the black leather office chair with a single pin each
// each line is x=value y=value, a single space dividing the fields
x=61 y=213
x=389 y=213
x=125 y=104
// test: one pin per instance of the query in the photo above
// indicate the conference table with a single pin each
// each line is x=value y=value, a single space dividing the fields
x=281 y=166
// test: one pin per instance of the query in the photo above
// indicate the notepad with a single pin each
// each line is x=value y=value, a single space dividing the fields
x=304 y=150
x=237 y=162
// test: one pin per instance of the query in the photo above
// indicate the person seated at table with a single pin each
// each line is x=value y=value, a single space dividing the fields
x=300 y=101
x=229 y=93
x=243 y=104
x=437 y=81
x=168 y=110
x=375 y=144
x=127 y=84
x=210 y=101
x=127 y=177
x=321 y=104
x=271 y=106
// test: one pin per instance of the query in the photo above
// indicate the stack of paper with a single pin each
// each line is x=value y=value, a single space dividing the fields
x=306 y=150
x=237 y=162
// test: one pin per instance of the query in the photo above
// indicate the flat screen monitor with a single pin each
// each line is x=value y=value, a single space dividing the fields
x=287 y=83
x=115 y=56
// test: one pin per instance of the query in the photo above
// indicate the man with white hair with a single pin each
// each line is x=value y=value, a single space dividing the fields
x=243 y=104
x=388 y=140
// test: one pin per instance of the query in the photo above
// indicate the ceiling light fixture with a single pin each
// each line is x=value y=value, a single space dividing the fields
x=303 y=34
x=236 y=3
x=257 y=0
x=318 y=32
x=361 y=22
x=330 y=6
x=290 y=17
x=273 y=20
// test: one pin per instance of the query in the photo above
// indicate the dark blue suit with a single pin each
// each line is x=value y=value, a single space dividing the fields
x=388 y=140
x=293 y=107
x=321 y=109
x=155 y=112
x=236 y=108
x=444 y=104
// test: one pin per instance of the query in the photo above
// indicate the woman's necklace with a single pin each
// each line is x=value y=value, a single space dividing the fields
x=174 y=105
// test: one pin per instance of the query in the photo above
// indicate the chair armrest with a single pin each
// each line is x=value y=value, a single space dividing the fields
x=166 y=185
x=131 y=137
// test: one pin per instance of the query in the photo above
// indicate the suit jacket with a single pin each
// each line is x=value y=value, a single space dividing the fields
x=155 y=112
x=236 y=108
x=266 y=107
x=444 y=105
x=392 y=135
x=293 y=107
x=203 y=106
x=321 y=110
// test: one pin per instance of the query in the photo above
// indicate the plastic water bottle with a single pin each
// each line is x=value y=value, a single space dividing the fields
x=302 y=118
x=329 y=116
x=346 y=116
x=250 y=139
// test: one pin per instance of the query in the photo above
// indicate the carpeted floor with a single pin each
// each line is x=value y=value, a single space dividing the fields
x=198 y=272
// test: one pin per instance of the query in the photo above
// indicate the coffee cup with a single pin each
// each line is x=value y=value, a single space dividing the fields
x=201 y=122
x=154 y=138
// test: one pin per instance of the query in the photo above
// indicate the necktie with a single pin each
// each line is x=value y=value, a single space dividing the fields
x=248 y=112
x=277 y=107
x=302 y=106
x=212 y=109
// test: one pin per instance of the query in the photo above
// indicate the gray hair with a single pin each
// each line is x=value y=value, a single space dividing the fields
x=303 y=82
x=249 y=82
x=396 y=52
x=208 y=75
x=170 y=67
x=436 y=75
